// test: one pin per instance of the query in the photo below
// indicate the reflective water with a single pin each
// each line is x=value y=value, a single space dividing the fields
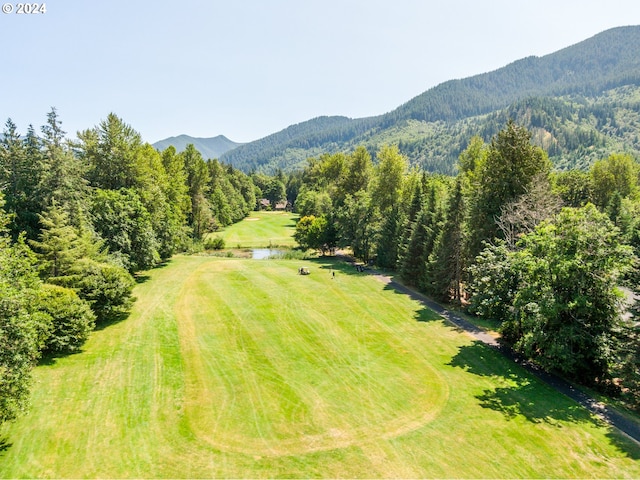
x=262 y=253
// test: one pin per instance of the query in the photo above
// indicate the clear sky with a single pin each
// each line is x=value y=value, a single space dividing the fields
x=249 y=68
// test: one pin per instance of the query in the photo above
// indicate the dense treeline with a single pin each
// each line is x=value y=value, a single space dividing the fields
x=79 y=218
x=543 y=253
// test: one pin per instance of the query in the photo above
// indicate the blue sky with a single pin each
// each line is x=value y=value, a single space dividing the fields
x=248 y=68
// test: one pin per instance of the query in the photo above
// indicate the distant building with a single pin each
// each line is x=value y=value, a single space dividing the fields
x=264 y=204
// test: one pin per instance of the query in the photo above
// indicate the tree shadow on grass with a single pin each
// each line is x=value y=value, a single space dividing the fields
x=113 y=319
x=50 y=358
x=143 y=277
x=5 y=444
x=426 y=315
x=524 y=395
x=337 y=264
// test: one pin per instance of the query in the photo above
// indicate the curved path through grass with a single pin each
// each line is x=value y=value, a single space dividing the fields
x=242 y=368
x=300 y=373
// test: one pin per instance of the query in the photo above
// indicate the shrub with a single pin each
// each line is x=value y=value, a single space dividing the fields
x=107 y=288
x=215 y=243
x=71 y=318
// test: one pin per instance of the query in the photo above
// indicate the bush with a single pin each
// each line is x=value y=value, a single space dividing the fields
x=107 y=288
x=71 y=318
x=215 y=243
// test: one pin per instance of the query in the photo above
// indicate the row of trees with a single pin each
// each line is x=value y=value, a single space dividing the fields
x=543 y=253
x=79 y=219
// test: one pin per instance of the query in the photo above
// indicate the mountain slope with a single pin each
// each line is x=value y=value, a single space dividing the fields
x=575 y=130
x=602 y=62
x=212 y=147
x=289 y=148
x=431 y=127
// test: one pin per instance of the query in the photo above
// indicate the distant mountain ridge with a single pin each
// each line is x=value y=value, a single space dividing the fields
x=432 y=128
x=212 y=147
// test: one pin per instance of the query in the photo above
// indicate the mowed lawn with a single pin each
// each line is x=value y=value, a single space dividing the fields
x=242 y=368
x=261 y=230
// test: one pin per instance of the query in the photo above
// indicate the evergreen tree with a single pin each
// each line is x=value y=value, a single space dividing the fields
x=70 y=317
x=510 y=165
x=63 y=175
x=57 y=246
x=19 y=175
x=78 y=263
x=387 y=242
x=421 y=242
x=446 y=264
x=107 y=287
x=412 y=213
x=111 y=150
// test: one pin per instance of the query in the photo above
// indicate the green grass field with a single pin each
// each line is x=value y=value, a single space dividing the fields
x=241 y=368
x=261 y=230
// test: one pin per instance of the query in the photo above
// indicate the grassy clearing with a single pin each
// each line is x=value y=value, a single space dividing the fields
x=242 y=368
x=261 y=230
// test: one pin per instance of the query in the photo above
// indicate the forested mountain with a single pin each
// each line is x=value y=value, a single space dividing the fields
x=212 y=147
x=290 y=148
x=581 y=102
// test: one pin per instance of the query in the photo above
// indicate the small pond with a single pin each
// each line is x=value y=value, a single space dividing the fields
x=262 y=253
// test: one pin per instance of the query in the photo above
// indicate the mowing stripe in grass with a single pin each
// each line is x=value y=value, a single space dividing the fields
x=243 y=369
x=296 y=366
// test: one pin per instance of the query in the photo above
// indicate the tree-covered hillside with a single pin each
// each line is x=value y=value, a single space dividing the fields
x=575 y=130
x=603 y=62
x=583 y=92
x=290 y=148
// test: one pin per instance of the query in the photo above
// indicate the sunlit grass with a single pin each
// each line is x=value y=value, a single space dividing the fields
x=261 y=230
x=242 y=368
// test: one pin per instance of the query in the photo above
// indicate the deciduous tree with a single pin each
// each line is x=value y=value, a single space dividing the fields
x=566 y=307
x=125 y=225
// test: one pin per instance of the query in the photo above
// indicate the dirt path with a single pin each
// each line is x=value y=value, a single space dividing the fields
x=607 y=413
